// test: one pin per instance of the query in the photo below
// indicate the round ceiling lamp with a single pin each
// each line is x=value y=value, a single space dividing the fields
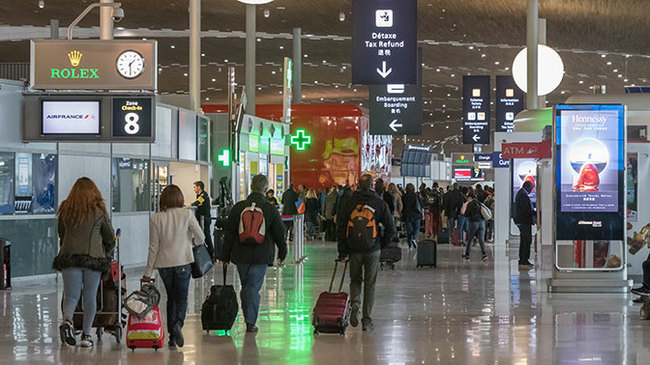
x=550 y=69
x=255 y=2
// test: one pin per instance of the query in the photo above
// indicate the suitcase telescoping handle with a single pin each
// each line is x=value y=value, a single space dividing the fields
x=345 y=267
x=225 y=273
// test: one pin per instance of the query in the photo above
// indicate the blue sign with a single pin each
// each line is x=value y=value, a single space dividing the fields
x=384 y=42
x=476 y=109
x=482 y=157
x=498 y=161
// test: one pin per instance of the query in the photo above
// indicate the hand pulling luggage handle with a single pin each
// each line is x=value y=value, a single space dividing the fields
x=336 y=264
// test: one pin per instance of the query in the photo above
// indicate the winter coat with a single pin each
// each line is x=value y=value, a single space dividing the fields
x=329 y=211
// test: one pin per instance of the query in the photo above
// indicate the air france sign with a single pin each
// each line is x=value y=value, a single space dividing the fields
x=384 y=42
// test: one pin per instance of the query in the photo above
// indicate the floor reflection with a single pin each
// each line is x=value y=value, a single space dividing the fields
x=457 y=313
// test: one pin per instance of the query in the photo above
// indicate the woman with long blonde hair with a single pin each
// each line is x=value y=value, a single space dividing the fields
x=87 y=238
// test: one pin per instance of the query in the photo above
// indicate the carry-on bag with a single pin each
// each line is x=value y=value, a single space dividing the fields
x=427 y=255
x=389 y=256
x=219 y=310
x=443 y=235
x=140 y=302
x=145 y=332
x=202 y=261
x=332 y=311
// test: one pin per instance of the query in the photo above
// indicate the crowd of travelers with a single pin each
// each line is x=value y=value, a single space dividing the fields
x=389 y=212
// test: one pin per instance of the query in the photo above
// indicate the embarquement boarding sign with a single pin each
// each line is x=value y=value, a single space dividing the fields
x=384 y=42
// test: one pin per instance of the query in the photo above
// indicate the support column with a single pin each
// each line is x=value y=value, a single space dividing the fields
x=105 y=20
x=195 y=55
x=250 y=59
x=542 y=40
x=297 y=66
x=54 y=28
x=531 y=43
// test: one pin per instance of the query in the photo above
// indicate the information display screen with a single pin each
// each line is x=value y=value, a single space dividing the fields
x=590 y=171
x=524 y=169
x=70 y=117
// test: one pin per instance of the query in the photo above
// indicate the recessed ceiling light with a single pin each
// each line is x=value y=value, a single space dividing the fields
x=225 y=61
x=273 y=72
x=624 y=80
x=452 y=75
x=496 y=62
x=609 y=63
x=267 y=13
x=172 y=46
x=603 y=55
x=259 y=88
x=483 y=55
x=214 y=80
x=185 y=74
x=281 y=47
x=305 y=56
x=341 y=16
x=619 y=75
x=259 y=39
x=471 y=47
x=202 y=54
x=615 y=70
x=206 y=99
x=581 y=82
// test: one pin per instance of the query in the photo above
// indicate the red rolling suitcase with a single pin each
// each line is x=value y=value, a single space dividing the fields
x=147 y=332
x=332 y=311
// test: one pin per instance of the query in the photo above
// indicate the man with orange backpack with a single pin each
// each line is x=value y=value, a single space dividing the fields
x=364 y=226
x=253 y=230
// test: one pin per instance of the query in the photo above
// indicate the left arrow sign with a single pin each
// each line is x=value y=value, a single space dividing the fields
x=395 y=124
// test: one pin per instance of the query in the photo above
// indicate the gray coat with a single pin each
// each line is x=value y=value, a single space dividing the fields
x=87 y=245
x=329 y=210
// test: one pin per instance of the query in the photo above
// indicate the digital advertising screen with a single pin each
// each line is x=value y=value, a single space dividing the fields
x=590 y=171
x=70 y=117
x=524 y=169
x=462 y=174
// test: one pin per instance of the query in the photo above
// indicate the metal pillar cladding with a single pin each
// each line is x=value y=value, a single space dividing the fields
x=298 y=238
x=54 y=28
x=532 y=30
x=541 y=99
x=250 y=59
x=297 y=66
x=195 y=54
x=105 y=20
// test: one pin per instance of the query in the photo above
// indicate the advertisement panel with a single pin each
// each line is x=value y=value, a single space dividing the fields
x=524 y=169
x=590 y=172
x=70 y=117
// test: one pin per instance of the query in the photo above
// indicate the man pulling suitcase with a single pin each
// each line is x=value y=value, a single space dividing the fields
x=360 y=240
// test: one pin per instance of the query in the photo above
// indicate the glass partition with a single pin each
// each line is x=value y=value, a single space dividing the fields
x=130 y=183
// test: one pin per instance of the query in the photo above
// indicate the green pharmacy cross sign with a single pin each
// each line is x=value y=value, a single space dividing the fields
x=224 y=158
x=301 y=139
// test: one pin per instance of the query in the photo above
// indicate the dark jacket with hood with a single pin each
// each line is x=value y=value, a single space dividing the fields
x=524 y=212
x=289 y=199
x=87 y=245
x=412 y=207
x=453 y=200
x=239 y=253
x=383 y=216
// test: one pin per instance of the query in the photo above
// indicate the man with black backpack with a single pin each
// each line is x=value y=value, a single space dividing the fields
x=253 y=230
x=360 y=241
x=433 y=221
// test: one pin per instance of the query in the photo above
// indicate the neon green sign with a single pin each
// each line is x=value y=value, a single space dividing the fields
x=301 y=140
x=224 y=158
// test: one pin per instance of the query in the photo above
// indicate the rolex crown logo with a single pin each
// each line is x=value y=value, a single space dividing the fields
x=75 y=58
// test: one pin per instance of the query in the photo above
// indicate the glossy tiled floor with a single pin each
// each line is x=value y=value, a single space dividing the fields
x=458 y=313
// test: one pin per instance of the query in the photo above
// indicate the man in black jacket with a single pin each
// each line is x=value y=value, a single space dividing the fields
x=452 y=201
x=364 y=260
x=524 y=219
x=253 y=260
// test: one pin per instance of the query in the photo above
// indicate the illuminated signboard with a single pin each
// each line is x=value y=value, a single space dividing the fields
x=63 y=117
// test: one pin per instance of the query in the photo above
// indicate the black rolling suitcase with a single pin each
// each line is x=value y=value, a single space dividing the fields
x=443 y=235
x=427 y=255
x=219 y=310
x=218 y=237
x=389 y=256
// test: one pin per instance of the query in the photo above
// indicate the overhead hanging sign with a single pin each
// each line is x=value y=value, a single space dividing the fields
x=498 y=161
x=476 y=109
x=590 y=172
x=93 y=65
x=462 y=158
x=509 y=102
x=527 y=150
x=133 y=117
x=395 y=109
x=384 y=42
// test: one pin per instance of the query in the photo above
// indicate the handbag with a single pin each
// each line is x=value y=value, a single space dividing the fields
x=141 y=302
x=485 y=212
x=202 y=261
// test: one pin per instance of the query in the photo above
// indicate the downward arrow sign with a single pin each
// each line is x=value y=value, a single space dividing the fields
x=394 y=125
x=476 y=138
x=383 y=72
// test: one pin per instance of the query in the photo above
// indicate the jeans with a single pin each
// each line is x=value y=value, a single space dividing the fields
x=412 y=230
x=463 y=227
x=525 y=239
x=288 y=229
x=476 y=229
x=177 y=284
x=251 y=277
x=363 y=269
x=73 y=278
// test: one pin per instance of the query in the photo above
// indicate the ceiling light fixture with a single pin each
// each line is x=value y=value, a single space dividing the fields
x=41 y=4
x=267 y=13
x=341 y=16
x=255 y=2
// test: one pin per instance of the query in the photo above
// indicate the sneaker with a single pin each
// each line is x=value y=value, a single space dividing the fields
x=86 y=340
x=643 y=291
x=525 y=265
x=177 y=334
x=466 y=257
x=172 y=344
x=354 y=317
x=66 y=331
x=251 y=328
x=484 y=257
x=367 y=325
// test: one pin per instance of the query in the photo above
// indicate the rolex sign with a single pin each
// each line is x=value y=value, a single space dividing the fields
x=93 y=65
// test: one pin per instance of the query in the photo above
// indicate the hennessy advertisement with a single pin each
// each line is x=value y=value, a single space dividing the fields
x=590 y=168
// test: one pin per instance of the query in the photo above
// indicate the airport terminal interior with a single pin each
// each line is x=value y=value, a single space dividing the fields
x=479 y=164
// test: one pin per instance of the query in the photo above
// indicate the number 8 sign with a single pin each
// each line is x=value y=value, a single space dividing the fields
x=133 y=118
